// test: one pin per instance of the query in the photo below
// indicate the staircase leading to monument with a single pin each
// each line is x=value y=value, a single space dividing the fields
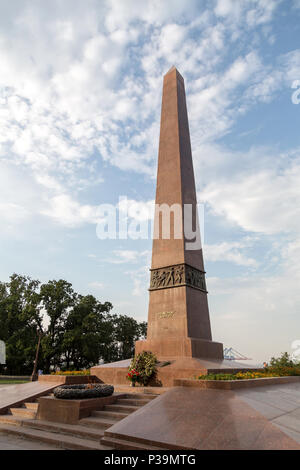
x=88 y=434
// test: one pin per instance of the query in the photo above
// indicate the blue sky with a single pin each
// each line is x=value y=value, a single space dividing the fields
x=80 y=96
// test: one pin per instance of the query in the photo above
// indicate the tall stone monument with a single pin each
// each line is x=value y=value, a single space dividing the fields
x=178 y=318
x=179 y=331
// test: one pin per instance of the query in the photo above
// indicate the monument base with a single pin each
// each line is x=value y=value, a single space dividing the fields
x=176 y=368
x=181 y=347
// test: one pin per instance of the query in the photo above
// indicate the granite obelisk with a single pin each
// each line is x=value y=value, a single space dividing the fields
x=178 y=317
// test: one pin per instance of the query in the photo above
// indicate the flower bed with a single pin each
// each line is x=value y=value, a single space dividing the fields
x=269 y=372
x=72 y=372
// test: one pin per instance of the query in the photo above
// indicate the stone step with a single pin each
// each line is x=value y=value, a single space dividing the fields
x=23 y=413
x=121 y=408
x=140 y=390
x=141 y=396
x=98 y=423
x=10 y=419
x=32 y=406
x=121 y=444
x=132 y=401
x=68 y=429
x=116 y=416
x=59 y=440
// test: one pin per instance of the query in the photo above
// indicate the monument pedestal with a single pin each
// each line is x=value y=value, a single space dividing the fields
x=178 y=368
x=181 y=347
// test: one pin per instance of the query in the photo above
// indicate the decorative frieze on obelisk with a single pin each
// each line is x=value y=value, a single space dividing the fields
x=179 y=275
x=178 y=317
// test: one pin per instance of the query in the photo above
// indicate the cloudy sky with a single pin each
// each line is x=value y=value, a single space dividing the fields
x=80 y=96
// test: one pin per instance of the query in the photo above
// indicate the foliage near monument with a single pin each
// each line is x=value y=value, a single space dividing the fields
x=283 y=361
x=145 y=365
x=77 y=331
x=279 y=367
x=133 y=376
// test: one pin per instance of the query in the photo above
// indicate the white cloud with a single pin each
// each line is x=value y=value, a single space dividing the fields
x=263 y=309
x=265 y=200
x=255 y=11
x=230 y=252
x=81 y=87
x=66 y=94
x=137 y=210
x=96 y=285
x=228 y=8
x=139 y=288
x=69 y=212
x=128 y=256
x=11 y=213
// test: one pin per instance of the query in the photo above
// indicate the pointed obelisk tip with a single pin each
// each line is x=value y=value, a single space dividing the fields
x=177 y=72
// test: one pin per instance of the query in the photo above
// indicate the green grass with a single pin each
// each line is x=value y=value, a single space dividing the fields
x=13 y=382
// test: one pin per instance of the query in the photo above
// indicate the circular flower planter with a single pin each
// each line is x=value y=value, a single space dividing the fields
x=80 y=392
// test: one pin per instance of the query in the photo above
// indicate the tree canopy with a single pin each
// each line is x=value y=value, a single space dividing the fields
x=77 y=331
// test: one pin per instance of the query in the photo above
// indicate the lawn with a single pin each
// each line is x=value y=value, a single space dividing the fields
x=13 y=382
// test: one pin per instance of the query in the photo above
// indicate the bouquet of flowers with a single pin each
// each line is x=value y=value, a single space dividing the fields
x=133 y=376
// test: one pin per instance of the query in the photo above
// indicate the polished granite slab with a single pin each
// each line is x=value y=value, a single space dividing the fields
x=12 y=395
x=279 y=404
x=186 y=418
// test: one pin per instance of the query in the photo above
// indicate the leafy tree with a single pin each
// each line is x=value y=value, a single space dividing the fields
x=127 y=332
x=88 y=332
x=283 y=361
x=143 y=326
x=77 y=331
x=57 y=298
x=20 y=318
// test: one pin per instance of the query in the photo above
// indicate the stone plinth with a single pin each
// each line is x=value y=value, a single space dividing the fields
x=71 y=411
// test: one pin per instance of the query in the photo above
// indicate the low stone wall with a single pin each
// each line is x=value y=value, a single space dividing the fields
x=69 y=379
x=235 y=384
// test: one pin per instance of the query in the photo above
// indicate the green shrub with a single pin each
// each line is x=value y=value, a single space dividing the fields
x=283 y=361
x=145 y=364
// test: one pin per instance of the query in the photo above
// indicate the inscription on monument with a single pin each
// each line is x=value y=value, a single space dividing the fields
x=165 y=314
x=178 y=275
